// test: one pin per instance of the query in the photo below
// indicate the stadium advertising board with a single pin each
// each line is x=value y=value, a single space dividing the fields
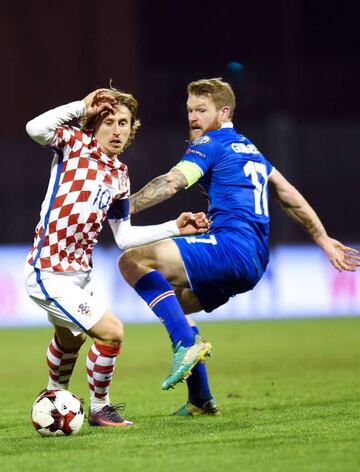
x=299 y=282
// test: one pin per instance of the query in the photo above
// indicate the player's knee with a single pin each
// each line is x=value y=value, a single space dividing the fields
x=109 y=331
x=114 y=334
x=125 y=262
x=130 y=264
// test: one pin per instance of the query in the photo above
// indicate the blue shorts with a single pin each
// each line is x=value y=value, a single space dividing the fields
x=220 y=265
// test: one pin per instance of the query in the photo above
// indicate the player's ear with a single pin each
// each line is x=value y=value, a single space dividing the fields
x=225 y=113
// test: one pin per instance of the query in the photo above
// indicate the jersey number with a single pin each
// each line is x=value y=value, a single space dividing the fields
x=102 y=198
x=260 y=191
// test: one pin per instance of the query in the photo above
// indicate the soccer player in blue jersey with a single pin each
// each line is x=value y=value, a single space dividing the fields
x=188 y=274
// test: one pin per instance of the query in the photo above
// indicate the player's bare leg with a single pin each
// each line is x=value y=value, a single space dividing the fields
x=163 y=256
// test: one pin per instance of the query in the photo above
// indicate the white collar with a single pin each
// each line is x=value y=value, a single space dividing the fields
x=228 y=124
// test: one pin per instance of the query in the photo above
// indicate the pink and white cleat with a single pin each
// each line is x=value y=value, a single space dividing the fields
x=108 y=416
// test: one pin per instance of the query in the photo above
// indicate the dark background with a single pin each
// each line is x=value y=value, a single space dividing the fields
x=294 y=65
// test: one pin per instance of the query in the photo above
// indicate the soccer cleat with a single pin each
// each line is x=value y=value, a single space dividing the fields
x=207 y=408
x=184 y=360
x=108 y=416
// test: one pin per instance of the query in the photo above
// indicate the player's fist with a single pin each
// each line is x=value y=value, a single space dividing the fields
x=192 y=223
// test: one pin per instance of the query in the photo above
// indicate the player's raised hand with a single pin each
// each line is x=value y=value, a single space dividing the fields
x=341 y=257
x=192 y=223
x=98 y=101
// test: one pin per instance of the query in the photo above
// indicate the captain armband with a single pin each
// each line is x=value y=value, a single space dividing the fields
x=191 y=171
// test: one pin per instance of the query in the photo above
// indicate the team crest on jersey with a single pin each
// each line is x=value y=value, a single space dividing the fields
x=122 y=178
x=201 y=140
x=84 y=309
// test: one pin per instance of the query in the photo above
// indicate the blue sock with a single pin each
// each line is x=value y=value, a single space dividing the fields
x=161 y=298
x=197 y=383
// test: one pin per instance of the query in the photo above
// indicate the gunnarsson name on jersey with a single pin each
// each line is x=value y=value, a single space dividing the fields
x=244 y=148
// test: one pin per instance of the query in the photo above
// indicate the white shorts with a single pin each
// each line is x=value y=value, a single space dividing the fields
x=66 y=296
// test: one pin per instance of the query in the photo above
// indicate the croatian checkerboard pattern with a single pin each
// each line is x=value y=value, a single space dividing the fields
x=83 y=184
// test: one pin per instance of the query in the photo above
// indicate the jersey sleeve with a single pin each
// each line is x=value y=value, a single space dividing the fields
x=119 y=210
x=202 y=152
x=44 y=129
x=66 y=136
x=269 y=167
x=127 y=236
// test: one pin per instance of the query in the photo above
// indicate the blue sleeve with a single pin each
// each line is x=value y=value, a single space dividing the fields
x=119 y=210
x=202 y=152
x=269 y=167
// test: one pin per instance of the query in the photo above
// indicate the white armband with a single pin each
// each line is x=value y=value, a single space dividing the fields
x=42 y=128
x=127 y=236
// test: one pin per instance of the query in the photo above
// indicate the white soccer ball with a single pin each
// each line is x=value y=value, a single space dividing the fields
x=57 y=413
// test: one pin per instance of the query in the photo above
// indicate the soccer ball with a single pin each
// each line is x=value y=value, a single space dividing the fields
x=57 y=413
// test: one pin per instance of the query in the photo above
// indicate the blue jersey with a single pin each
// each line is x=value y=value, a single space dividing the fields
x=235 y=176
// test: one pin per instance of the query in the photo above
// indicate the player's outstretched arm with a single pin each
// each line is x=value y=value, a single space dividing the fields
x=158 y=190
x=42 y=128
x=298 y=209
x=127 y=236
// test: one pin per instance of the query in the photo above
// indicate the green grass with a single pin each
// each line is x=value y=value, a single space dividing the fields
x=289 y=393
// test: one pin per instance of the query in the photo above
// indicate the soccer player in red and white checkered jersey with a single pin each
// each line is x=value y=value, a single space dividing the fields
x=87 y=184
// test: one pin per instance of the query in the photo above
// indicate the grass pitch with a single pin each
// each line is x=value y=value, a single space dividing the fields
x=288 y=391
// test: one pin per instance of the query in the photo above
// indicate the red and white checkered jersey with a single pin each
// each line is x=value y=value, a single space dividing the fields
x=83 y=184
